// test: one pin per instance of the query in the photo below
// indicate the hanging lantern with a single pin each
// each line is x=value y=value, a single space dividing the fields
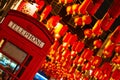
x=75 y=8
x=73 y=39
x=65 y=54
x=96 y=29
x=86 y=66
x=79 y=47
x=116 y=74
x=97 y=73
x=97 y=43
x=94 y=6
x=88 y=33
x=45 y=12
x=96 y=61
x=74 y=45
x=80 y=61
x=82 y=8
x=78 y=21
x=75 y=61
x=52 y=22
x=73 y=54
x=106 y=22
x=86 y=19
x=109 y=47
x=67 y=37
x=117 y=49
x=40 y=4
x=69 y=10
x=55 y=45
x=115 y=37
x=63 y=30
x=114 y=10
x=87 y=54
x=116 y=59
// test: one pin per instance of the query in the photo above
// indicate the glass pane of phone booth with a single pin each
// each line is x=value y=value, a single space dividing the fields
x=13 y=60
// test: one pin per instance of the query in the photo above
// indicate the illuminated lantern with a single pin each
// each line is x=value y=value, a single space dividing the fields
x=79 y=47
x=97 y=73
x=45 y=12
x=109 y=47
x=94 y=6
x=63 y=30
x=97 y=43
x=115 y=37
x=75 y=61
x=69 y=10
x=106 y=22
x=75 y=8
x=114 y=10
x=86 y=66
x=52 y=21
x=73 y=54
x=87 y=54
x=40 y=4
x=73 y=39
x=66 y=53
x=116 y=59
x=116 y=74
x=78 y=21
x=82 y=8
x=67 y=37
x=117 y=49
x=96 y=29
x=106 y=70
x=80 y=61
x=96 y=61
x=86 y=19
x=88 y=33
x=55 y=45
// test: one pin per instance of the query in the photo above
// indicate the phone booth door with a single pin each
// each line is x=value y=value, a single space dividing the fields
x=24 y=43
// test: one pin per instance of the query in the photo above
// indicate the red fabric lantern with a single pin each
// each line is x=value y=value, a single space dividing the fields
x=82 y=8
x=97 y=73
x=79 y=47
x=69 y=10
x=67 y=36
x=73 y=54
x=66 y=53
x=97 y=43
x=116 y=74
x=117 y=49
x=88 y=33
x=73 y=39
x=45 y=12
x=115 y=37
x=94 y=6
x=108 y=49
x=55 y=45
x=114 y=10
x=116 y=59
x=106 y=22
x=87 y=54
x=78 y=21
x=75 y=8
x=75 y=61
x=96 y=29
x=86 y=19
x=63 y=30
x=40 y=4
x=96 y=61
x=86 y=66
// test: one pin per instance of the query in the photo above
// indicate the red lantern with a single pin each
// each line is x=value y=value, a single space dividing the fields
x=55 y=45
x=40 y=4
x=94 y=6
x=73 y=39
x=114 y=10
x=116 y=59
x=66 y=53
x=45 y=12
x=67 y=37
x=108 y=49
x=117 y=49
x=116 y=74
x=69 y=10
x=87 y=54
x=88 y=33
x=97 y=43
x=82 y=8
x=73 y=54
x=96 y=61
x=86 y=19
x=96 y=29
x=79 y=47
x=75 y=61
x=75 y=8
x=78 y=21
x=97 y=73
x=106 y=22
x=63 y=30
x=115 y=37
x=86 y=66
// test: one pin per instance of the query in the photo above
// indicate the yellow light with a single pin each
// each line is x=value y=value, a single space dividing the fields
x=58 y=27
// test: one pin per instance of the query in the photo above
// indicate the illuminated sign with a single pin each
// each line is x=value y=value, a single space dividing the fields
x=26 y=34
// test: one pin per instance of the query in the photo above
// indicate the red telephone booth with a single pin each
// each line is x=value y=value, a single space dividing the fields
x=24 y=43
